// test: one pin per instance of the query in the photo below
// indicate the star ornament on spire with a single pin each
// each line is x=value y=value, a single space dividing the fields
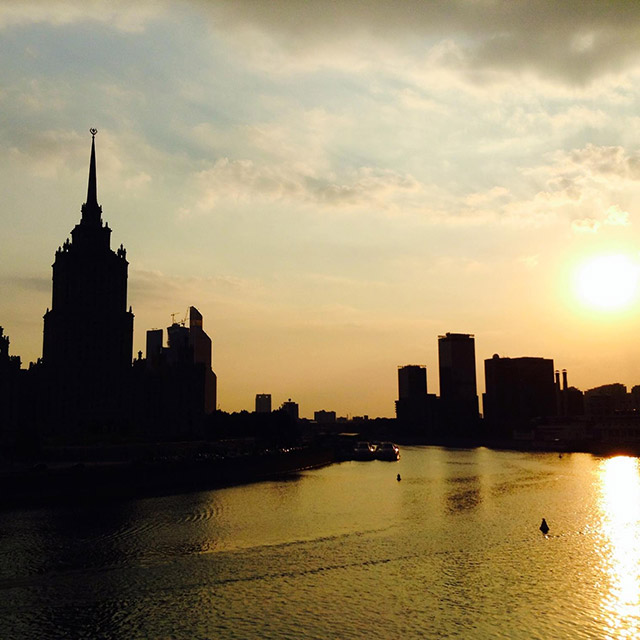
x=93 y=132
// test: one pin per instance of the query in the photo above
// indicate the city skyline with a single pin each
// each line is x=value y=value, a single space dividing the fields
x=333 y=198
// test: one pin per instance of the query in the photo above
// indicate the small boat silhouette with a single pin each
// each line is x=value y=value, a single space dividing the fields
x=544 y=527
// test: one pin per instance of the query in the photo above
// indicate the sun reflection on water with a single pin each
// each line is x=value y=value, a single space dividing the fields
x=620 y=528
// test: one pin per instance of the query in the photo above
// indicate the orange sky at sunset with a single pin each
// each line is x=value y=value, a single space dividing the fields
x=335 y=187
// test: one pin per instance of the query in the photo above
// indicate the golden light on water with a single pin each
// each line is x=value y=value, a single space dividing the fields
x=620 y=508
x=608 y=282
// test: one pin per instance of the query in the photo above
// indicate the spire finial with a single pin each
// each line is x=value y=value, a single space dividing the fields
x=92 y=190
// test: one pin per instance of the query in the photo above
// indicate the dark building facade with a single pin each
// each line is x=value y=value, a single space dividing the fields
x=175 y=386
x=458 y=390
x=88 y=332
x=412 y=381
x=291 y=408
x=10 y=389
x=263 y=403
x=517 y=391
x=416 y=410
x=324 y=417
x=200 y=345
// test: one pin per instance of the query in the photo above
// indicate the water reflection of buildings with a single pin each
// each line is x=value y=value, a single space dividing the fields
x=620 y=526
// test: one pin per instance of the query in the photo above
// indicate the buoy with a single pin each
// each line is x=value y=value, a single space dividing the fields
x=544 y=527
x=398 y=478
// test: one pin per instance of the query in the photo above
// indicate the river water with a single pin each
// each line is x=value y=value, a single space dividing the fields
x=452 y=550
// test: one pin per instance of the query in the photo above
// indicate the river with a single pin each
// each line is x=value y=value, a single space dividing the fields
x=452 y=550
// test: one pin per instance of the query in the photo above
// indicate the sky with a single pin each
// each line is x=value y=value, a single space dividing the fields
x=334 y=185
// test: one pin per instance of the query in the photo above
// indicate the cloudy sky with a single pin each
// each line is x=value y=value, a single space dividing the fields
x=334 y=185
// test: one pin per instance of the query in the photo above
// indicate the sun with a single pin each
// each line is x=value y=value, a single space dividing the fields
x=608 y=282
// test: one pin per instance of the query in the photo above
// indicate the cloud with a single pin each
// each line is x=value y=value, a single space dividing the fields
x=582 y=183
x=120 y=14
x=604 y=162
x=587 y=225
x=530 y=262
x=243 y=181
x=148 y=285
x=137 y=181
x=615 y=216
x=28 y=283
x=574 y=40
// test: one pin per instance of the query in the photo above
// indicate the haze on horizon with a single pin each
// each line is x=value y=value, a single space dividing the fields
x=334 y=187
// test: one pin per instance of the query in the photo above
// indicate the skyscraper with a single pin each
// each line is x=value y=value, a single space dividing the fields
x=88 y=332
x=175 y=387
x=518 y=389
x=200 y=342
x=458 y=391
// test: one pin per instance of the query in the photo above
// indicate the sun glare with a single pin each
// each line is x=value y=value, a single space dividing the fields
x=608 y=282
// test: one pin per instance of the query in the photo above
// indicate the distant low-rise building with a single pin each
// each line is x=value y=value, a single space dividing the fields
x=291 y=408
x=324 y=417
x=263 y=403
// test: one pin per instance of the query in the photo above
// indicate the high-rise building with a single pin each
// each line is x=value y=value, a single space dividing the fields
x=88 y=332
x=517 y=390
x=154 y=348
x=458 y=390
x=175 y=386
x=200 y=343
x=416 y=410
x=263 y=403
x=412 y=381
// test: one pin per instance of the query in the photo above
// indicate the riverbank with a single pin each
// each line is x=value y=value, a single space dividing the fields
x=74 y=475
x=65 y=483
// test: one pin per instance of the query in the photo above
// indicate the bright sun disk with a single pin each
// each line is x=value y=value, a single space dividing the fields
x=608 y=282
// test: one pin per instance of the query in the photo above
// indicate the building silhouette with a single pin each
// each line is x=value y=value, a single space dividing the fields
x=200 y=344
x=10 y=390
x=263 y=403
x=291 y=408
x=412 y=381
x=569 y=400
x=88 y=332
x=609 y=399
x=324 y=417
x=416 y=410
x=458 y=390
x=175 y=386
x=517 y=391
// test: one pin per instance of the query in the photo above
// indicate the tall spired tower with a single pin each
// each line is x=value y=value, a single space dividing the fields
x=88 y=332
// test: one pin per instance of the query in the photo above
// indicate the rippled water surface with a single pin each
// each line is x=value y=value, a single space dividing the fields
x=453 y=550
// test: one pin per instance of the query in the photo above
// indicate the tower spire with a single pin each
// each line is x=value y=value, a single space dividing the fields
x=92 y=191
x=91 y=210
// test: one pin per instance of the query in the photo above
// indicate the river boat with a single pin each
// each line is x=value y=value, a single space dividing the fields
x=364 y=451
x=387 y=451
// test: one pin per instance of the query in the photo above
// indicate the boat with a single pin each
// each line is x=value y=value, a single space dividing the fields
x=363 y=451
x=387 y=451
